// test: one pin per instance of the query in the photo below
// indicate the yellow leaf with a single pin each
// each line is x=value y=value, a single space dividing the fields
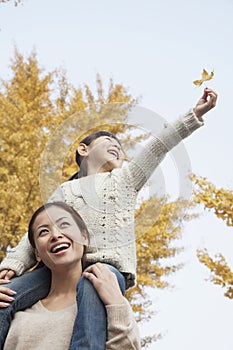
x=205 y=76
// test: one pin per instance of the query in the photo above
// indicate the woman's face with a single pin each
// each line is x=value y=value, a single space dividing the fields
x=58 y=239
x=105 y=153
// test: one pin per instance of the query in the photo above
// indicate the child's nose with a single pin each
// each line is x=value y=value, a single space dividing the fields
x=55 y=233
x=117 y=146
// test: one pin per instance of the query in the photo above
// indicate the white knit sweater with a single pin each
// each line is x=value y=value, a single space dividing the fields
x=106 y=202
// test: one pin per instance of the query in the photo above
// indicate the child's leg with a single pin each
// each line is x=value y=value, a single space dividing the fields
x=30 y=288
x=90 y=327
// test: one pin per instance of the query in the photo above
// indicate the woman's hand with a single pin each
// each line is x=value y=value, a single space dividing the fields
x=6 y=294
x=6 y=274
x=206 y=102
x=105 y=283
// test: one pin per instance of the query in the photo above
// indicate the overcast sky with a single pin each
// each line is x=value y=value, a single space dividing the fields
x=156 y=48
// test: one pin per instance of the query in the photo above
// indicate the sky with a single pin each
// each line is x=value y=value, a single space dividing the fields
x=156 y=48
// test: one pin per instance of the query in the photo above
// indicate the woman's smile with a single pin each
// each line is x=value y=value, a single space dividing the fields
x=60 y=247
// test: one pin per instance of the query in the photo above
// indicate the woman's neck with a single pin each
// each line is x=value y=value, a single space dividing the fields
x=63 y=289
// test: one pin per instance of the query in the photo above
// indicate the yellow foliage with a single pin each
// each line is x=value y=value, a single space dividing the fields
x=25 y=104
x=220 y=202
x=205 y=76
x=221 y=273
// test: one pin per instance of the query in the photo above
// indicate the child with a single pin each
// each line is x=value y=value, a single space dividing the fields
x=104 y=194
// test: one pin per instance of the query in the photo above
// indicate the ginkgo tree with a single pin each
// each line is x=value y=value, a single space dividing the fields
x=42 y=119
x=220 y=202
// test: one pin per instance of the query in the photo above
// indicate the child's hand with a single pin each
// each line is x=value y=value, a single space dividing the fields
x=6 y=294
x=206 y=102
x=6 y=274
x=105 y=283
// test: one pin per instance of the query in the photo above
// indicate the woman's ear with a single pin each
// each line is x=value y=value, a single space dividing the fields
x=38 y=258
x=82 y=150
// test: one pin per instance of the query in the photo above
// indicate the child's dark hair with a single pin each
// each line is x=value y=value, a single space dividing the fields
x=87 y=141
x=75 y=215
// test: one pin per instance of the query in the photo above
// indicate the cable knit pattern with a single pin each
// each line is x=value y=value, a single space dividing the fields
x=106 y=202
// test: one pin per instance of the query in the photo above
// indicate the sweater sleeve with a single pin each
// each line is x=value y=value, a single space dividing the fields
x=21 y=258
x=57 y=195
x=142 y=166
x=123 y=331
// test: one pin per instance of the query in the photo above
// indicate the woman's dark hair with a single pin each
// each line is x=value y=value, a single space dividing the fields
x=87 y=141
x=75 y=215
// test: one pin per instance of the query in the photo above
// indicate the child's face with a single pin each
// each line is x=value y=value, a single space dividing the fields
x=105 y=153
x=58 y=239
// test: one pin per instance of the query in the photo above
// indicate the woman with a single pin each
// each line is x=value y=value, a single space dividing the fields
x=49 y=323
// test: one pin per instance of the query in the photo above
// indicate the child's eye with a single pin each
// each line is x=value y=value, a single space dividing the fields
x=114 y=142
x=64 y=224
x=43 y=232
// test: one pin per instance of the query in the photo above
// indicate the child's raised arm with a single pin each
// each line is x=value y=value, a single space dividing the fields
x=144 y=164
